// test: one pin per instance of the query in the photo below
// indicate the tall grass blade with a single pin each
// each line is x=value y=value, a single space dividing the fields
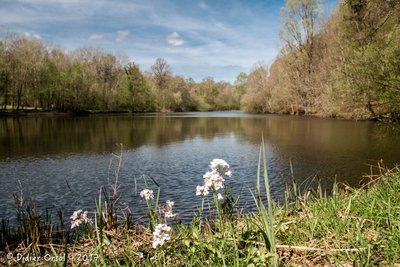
x=258 y=175
x=267 y=229
x=99 y=223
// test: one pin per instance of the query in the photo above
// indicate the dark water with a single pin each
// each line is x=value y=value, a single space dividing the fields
x=63 y=161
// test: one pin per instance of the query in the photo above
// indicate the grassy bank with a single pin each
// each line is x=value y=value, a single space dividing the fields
x=349 y=227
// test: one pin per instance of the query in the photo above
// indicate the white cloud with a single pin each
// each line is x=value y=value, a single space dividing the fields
x=121 y=35
x=96 y=36
x=223 y=44
x=32 y=35
x=175 y=39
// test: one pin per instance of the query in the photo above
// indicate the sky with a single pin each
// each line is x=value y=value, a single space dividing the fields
x=215 y=38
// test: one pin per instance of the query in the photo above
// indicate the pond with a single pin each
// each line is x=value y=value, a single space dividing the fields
x=63 y=161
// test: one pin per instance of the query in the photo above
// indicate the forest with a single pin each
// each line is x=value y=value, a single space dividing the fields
x=40 y=77
x=345 y=65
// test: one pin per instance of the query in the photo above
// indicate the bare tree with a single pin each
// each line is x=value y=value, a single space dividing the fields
x=301 y=19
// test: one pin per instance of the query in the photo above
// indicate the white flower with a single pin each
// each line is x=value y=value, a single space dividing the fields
x=79 y=217
x=213 y=180
x=170 y=203
x=169 y=214
x=161 y=234
x=220 y=197
x=207 y=179
x=218 y=185
x=201 y=190
x=75 y=224
x=207 y=175
x=147 y=194
x=215 y=164
x=168 y=209
x=75 y=215
x=140 y=255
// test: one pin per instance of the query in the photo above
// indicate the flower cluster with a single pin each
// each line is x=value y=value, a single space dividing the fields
x=79 y=217
x=219 y=164
x=168 y=209
x=201 y=190
x=161 y=234
x=214 y=179
x=147 y=194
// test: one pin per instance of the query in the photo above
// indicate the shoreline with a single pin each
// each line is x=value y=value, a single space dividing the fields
x=38 y=113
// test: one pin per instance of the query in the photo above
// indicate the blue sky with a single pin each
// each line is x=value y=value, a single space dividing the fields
x=198 y=38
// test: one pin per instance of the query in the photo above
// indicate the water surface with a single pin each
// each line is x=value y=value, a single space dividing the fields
x=62 y=161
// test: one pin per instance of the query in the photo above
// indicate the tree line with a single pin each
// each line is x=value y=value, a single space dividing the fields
x=40 y=77
x=346 y=65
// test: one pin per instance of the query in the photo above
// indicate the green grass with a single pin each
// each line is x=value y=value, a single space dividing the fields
x=366 y=219
x=9 y=107
x=351 y=227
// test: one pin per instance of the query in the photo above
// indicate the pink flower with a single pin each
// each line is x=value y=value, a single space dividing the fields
x=201 y=190
x=147 y=194
x=161 y=234
x=219 y=163
x=215 y=178
x=79 y=217
x=168 y=210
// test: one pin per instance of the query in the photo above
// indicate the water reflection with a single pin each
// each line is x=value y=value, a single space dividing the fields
x=46 y=153
x=98 y=134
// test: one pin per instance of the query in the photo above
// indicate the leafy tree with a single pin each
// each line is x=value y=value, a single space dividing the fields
x=4 y=75
x=348 y=66
x=370 y=59
x=239 y=90
x=141 y=98
x=161 y=73
x=33 y=74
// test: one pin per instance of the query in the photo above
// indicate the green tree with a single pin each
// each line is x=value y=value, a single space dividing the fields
x=141 y=98
x=4 y=75
x=26 y=62
x=106 y=68
x=239 y=89
x=161 y=74
x=370 y=34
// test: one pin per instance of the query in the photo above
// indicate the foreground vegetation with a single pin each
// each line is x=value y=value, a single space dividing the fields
x=351 y=227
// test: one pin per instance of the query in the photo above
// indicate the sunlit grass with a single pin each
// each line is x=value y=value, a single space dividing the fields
x=9 y=107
